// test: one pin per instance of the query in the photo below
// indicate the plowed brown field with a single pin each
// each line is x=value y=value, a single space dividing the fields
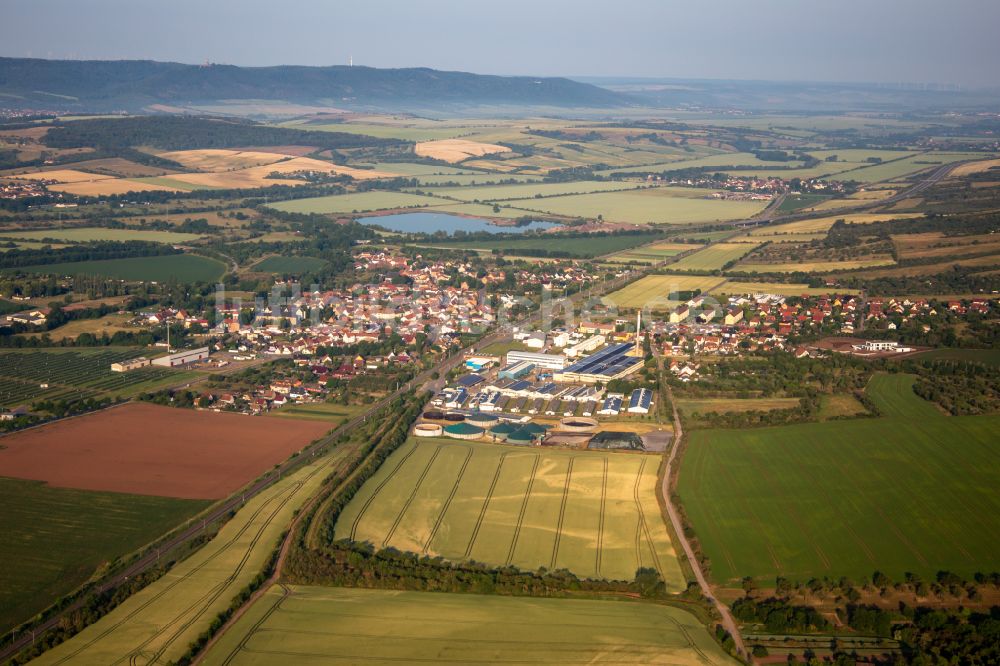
x=151 y=450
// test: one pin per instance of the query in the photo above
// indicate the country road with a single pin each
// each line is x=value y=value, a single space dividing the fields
x=727 y=617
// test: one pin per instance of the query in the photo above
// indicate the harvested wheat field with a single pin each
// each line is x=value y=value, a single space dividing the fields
x=823 y=224
x=63 y=176
x=258 y=176
x=104 y=187
x=221 y=160
x=975 y=167
x=152 y=450
x=456 y=150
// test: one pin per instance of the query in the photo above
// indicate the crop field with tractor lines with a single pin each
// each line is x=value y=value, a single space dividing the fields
x=349 y=626
x=157 y=624
x=595 y=514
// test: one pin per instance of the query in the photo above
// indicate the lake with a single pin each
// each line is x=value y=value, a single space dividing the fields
x=430 y=223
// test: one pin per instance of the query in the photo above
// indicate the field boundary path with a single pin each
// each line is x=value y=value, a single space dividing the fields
x=728 y=622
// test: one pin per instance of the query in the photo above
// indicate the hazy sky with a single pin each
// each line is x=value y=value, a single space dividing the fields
x=951 y=41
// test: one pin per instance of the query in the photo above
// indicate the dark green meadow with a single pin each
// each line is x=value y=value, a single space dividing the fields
x=910 y=491
x=584 y=246
x=54 y=539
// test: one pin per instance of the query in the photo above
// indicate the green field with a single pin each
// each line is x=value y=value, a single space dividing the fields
x=297 y=265
x=183 y=267
x=689 y=406
x=653 y=253
x=418 y=169
x=714 y=257
x=384 y=131
x=529 y=190
x=905 y=166
x=661 y=205
x=358 y=202
x=314 y=625
x=797 y=201
x=318 y=411
x=738 y=287
x=593 y=513
x=653 y=290
x=74 y=373
x=160 y=621
x=55 y=538
x=721 y=160
x=578 y=247
x=818 y=266
x=987 y=356
x=101 y=234
x=472 y=179
x=912 y=490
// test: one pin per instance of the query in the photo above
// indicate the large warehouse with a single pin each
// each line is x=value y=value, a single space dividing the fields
x=548 y=361
x=612 y=362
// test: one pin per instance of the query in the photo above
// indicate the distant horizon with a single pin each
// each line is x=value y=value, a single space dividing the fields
x=890 y=41
x=583 y=78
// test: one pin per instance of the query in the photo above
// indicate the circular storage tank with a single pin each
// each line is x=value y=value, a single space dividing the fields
x=521 y=438
x=434 y=416
x=454 y=416
x=482 y=419
x=463 y=431
x=533 y=429
x=501 y=431
x=577 y=424
x=427 y=430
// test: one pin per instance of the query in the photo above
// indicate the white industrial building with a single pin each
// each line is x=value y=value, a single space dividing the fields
x=182 y=357
x=592 y=343
x=548 y=361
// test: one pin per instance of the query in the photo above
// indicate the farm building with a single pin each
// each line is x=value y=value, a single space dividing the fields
x=457 y=399
x=612 y=405
x=640 y=401
x=182 y=357
x=130 y=364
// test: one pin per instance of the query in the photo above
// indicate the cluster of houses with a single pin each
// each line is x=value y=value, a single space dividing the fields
x=891 y=313
x=753 y=322
x=752 y=187
x=23 y=189
x=292 y=389
x=364 y=313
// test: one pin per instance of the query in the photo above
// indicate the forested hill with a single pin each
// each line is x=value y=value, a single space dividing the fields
x=135 y=84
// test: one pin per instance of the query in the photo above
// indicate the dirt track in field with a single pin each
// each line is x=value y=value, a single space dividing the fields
x=152 y=450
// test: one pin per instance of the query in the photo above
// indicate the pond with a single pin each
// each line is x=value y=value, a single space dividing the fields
x=430 y=223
